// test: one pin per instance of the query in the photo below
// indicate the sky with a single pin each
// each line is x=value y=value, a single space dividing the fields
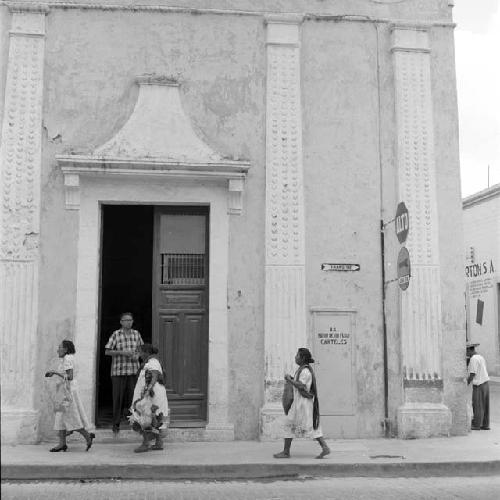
x=477 y=57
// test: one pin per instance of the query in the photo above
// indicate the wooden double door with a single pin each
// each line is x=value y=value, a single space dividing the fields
x=180 y=309
x=154 y=263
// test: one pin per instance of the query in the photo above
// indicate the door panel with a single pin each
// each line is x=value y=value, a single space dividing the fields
x=194 y=352
x=168 y=343
x=180 y=314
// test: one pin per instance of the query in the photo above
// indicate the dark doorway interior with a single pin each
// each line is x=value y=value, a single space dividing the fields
x=126 y=285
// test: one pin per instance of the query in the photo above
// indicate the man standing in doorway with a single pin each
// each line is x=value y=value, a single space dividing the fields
x=123 y=346
x=478 y=375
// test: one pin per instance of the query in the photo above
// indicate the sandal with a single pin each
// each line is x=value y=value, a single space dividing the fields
x=281 y=454
x=90 y=440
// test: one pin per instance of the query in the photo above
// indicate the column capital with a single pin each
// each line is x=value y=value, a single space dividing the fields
x=410 y=37
x=28 y=7
x=283 y=29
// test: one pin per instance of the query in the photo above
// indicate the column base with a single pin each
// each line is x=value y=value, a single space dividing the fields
x=219 y=432
x=19 y=426
x=271 y=422
x=423 y=420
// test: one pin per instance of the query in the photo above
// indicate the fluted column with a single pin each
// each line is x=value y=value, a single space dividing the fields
x=422 y=413
x=20 y=165
x=285 y=320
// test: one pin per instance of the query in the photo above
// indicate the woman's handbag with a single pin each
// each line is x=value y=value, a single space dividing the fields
x=62 y=396
x=287 y=398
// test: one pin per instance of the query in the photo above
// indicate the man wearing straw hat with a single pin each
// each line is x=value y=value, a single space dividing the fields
x=478 y=375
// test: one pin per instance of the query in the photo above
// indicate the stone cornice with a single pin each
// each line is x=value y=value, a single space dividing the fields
x=74 y=167
x=88 y=164
x=305 y=16
x=484 y=195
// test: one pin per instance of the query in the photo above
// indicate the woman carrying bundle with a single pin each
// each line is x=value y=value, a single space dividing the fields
x=149 y=410
x=302 y=418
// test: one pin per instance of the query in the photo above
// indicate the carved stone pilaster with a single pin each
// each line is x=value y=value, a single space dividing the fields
x=285 y=320
x=20 y=165
x=421 y=302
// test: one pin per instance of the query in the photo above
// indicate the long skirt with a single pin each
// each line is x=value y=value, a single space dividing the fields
x=299 y=421
x=73 y=417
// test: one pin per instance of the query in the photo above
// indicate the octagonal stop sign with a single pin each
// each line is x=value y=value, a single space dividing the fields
x=402 y=222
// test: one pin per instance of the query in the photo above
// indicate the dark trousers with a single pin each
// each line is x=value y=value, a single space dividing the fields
x=123 y=392
x=481 y=405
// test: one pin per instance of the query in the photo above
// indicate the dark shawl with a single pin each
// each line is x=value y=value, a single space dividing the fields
x=311 y=394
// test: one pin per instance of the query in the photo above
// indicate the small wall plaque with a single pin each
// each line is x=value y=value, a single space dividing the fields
x=340 y=267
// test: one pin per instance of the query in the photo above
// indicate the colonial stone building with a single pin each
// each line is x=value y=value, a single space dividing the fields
x=229 y=171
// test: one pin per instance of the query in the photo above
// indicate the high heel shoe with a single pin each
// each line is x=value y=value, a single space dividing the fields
x=90 y=440
x=59 y=448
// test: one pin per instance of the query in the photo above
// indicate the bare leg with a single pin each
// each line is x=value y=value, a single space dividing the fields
x=286 y=449
x=324 y=447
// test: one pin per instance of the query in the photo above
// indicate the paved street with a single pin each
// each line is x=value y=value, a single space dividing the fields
x=477 y=488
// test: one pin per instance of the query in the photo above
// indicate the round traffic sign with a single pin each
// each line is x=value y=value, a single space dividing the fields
x=402 y=222
x=404 y=269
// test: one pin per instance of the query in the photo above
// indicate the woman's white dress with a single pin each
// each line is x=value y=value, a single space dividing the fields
x=74 y=416
x=159 y=398
x=299 y=421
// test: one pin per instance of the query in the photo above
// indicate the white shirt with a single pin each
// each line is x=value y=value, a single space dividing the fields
x=477 y=365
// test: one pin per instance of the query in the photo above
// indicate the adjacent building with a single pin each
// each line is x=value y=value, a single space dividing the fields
x=482 y=246
x=229 y=171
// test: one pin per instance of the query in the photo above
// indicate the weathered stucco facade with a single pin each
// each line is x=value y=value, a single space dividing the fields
x=299 y=126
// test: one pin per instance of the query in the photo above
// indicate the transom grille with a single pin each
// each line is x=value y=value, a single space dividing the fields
x=183 y=268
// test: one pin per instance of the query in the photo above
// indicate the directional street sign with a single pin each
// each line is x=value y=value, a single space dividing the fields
x=402 y=222
x=404 y=269
x=340 y=267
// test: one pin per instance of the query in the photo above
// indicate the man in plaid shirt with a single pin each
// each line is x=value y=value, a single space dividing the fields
x=123 y=346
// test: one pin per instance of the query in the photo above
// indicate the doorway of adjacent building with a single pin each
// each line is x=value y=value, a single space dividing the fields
x=154 y=263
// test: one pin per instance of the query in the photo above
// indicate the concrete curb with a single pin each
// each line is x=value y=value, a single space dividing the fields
x=24 y=472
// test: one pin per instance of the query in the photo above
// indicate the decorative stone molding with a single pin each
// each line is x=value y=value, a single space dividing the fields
x=420 y=317
x=285 y=314
x=424 y=420
x=28 y=7
x=20 y=166
x=157 y=141
x=138 y=190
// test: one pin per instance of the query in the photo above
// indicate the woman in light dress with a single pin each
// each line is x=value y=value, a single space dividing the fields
x=149 y=410
x=302 y=419
x=69 y=412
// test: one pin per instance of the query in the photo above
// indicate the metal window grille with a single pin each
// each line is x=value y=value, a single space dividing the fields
x=183 y=268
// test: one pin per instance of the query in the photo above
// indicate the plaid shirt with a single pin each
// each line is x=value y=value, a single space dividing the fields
x=119 y=341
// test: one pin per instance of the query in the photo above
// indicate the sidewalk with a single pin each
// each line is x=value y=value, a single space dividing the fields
x=475 y=454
